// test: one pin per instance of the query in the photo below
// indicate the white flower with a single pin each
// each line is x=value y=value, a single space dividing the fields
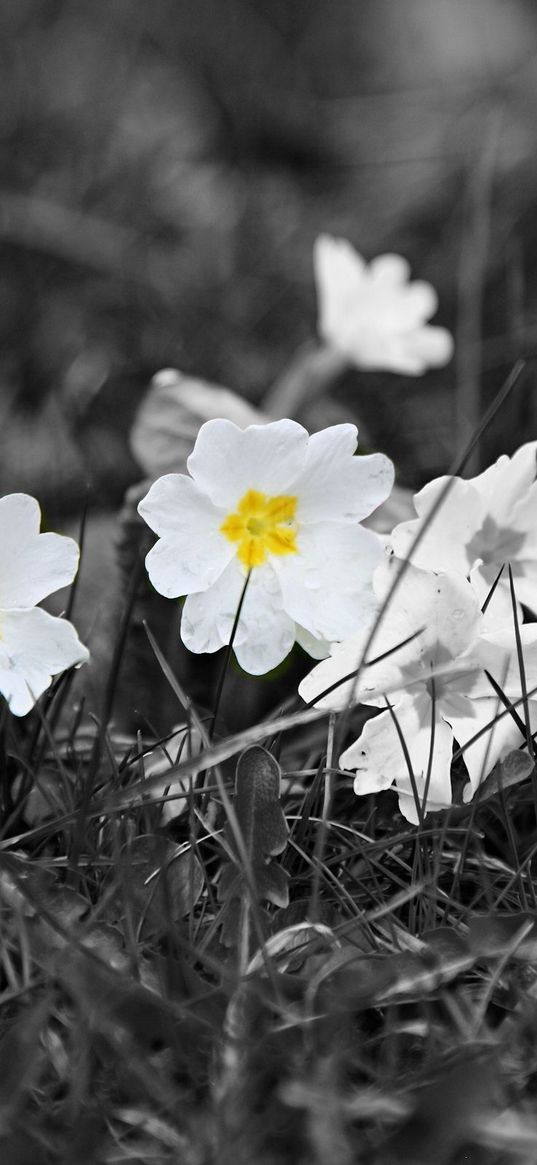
x=371 y=313
x=431 y=710
x=34 y=646
x=482 y=524
x=271 y=500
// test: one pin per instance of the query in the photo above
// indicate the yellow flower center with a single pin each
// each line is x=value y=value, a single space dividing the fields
x=262 y=525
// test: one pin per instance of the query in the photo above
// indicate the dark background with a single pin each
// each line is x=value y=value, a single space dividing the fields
x=166 y=166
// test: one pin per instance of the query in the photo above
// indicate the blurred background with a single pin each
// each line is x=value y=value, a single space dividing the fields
x=167 y=166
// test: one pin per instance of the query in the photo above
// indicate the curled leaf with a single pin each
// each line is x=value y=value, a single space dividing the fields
x=264 y=833
x=171 y=414
x=257 y=803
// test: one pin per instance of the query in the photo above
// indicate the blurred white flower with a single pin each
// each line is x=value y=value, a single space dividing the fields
x=482 y=524
x=432 y=710
x=373 y=315
x=34 y=646
x=280 y=504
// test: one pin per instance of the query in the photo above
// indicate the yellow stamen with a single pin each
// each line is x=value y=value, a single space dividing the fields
x=262 y=525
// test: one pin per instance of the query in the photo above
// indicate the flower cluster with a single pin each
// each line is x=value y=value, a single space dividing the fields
x=483 y=523
x=262 y=537
x=34 y=646
x=433 y=687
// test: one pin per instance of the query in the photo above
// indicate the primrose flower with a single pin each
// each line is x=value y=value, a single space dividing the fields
x=34 y=646
x=435 y=686
x=274 y=505
x=373 y=315
x=483 y=523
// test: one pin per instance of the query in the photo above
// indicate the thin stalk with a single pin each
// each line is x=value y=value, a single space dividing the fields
x=471 y=287
x=227 y=657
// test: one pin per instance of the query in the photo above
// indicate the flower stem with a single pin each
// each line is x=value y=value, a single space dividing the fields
x=227 y=657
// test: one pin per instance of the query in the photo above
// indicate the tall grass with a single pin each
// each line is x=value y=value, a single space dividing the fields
x=273 y=970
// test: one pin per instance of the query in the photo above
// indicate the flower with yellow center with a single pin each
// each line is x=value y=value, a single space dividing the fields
x=262 y=526
x=34 y=646
x=274 y=505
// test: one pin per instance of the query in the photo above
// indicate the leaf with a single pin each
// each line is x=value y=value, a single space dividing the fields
x=293 y=945
x=359 y=982
x=171 y=414
x=264 y=832
x=257 y=803
x=493 y=935
x=513 y=769
x=272 y=884
x=186 y=742
x=162 y=885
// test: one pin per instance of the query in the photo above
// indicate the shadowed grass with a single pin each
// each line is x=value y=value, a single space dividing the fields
x=386 y=1013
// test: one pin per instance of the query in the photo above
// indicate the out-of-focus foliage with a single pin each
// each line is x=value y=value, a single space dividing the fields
x=166 y=168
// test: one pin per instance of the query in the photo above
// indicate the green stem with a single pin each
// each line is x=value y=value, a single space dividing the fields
x=227 y=658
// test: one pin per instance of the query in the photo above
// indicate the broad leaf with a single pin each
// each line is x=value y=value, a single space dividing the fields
x=264 y=833
x=257 y=804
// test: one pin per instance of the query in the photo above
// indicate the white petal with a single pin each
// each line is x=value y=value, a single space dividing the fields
x=496 y=651
x=20 y=519
x=269 y=634
x=192 y=552
x=34 y=646
x=343 y=660
x=317 y=648
x=448 y=540
x=525 y=582
x=522 y=522
x=480 y=757
x=174 y=500
x=339 y=273
x=499 y=609
x=15 y=690
x=442 y=615
x=378 y=353
x=335 y=485
x=503 y=485
x=428 y=347
x=228 y=461
x=389 y=270
x=442 y=606
x=32 y=565
x=375 y=679
x=208 y=618
x=265 y=633
x=421 y=300
x=384 y=344
x=379 y=759
x=327 y=586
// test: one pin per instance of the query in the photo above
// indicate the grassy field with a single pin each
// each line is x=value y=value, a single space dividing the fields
x=211 y=949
